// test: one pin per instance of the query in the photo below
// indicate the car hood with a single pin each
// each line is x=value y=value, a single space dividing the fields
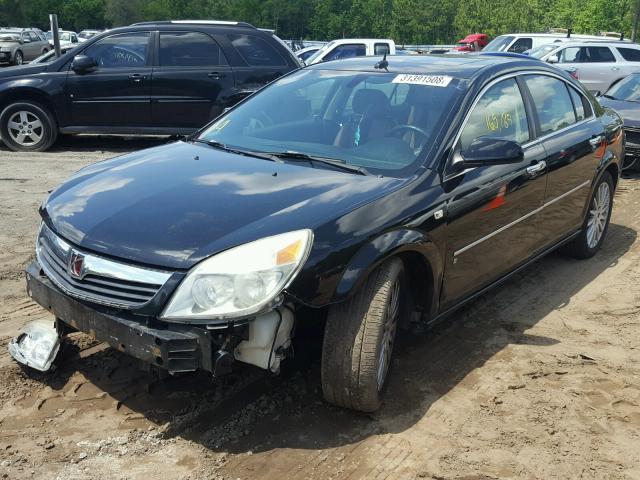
x=629 y=111
x=17 y=71
x=174 y=205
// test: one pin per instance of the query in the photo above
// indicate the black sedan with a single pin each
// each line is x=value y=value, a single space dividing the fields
x=369 y=195
x=624 y=98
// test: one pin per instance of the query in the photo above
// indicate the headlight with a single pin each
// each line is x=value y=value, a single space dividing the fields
x=240 y=281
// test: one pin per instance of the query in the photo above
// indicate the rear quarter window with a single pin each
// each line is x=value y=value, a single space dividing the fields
x=630 y=54
x=256 y=51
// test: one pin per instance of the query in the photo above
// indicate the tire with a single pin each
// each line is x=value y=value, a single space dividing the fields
x=39 y=129
x=353 y=374
x=45 y=50
x=18 y=58
x=589 y=241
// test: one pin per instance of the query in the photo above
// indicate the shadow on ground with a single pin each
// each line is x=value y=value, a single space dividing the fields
x=250 y=411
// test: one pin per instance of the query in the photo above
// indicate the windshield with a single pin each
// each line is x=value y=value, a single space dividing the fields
x=627 y=89
x=498 y=44
x=542 y=50
x=379 y=121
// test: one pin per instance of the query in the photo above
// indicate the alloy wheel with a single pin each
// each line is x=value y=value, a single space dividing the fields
x=25 y=128
x=388 y=333
x=19 y=59
x=598 y=214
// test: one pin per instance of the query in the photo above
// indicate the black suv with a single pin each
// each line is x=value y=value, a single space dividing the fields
x=149 y=78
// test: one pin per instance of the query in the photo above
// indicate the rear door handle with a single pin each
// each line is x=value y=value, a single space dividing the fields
x=615 y=69
x=136 y=77
x=536 y=169
x=216 y=75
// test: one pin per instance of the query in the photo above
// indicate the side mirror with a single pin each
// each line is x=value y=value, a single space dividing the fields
x=83 y=64
x=491 y=151
x=553 y=59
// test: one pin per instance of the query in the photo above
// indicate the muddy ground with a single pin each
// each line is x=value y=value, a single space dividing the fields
x=538 y=379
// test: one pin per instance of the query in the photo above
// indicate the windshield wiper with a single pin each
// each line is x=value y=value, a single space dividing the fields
x=222 y=146
x=609 y=96
x=299 y=156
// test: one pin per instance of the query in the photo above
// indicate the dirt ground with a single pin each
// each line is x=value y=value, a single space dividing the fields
x=538 y=379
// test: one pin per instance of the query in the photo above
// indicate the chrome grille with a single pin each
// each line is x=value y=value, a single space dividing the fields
x=97 y=279
x=632 y=136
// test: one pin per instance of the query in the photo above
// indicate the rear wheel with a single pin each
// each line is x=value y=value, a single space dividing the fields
x=27 y=127
x=596 y=223
x=359 y=338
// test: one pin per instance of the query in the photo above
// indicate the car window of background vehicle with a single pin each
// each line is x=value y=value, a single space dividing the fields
x=552 y=102
x=120 y=51
x=500 y=113
x=630 y=54
x=189 y=49
x=255 y=51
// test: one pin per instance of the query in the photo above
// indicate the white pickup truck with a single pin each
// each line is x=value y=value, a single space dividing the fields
x=352 y=47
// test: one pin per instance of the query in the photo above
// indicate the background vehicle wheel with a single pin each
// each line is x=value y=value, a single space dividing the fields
x=44 y=50
x=27 y=127
x=18 y=58
x=359 y=338
x=596 y=222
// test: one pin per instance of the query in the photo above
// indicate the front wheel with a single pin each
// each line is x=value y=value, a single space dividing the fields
x=18 y=59
x=596 y=223
x=27 y=127
x=359 y=338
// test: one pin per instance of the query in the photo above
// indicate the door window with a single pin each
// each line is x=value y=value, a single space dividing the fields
x=552 y=102
x=586 y=55
x=189 y=49
x=121 y=51
x=26 y=38
x=347 y=51
x=499 y=113
x=381 y=49
x=580 y=104
x=521 y=44
x=256 y=52
x=34 y=37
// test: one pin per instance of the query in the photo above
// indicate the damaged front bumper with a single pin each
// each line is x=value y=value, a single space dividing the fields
x=170 y=346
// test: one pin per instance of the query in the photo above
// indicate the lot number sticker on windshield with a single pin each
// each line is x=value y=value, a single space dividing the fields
x=427 y=80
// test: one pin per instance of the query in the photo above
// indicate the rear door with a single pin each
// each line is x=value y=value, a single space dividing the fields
x=118 y=92
x=192 y=80
x=492 y=210
x=573 y=139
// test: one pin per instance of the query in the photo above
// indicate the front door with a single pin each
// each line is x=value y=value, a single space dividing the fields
x=493 y=210
x=192 y=81
x=596 y=65
x=118 y=92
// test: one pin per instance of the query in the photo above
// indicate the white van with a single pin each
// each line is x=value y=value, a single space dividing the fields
x=520 y=42
x=352 y=47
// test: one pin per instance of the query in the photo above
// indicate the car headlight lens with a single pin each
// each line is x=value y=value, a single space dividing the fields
x=240 y=281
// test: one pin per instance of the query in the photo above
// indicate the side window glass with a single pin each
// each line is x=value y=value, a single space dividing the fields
x=189 y=49
x=25 y=37
x=578 y=104
x=121 y=51
x=552 y=102
x=347 y=51
x=599 y=54
x=570 y=55
x=33 y=37
x=500 y=113
x=521 y=45
x=380 y=49
x=256 y=51
x=630 y=54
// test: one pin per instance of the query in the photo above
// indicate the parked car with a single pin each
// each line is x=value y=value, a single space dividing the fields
x=473 y=42
x=21 y=45
x=87 y=34
x=66 y=37
x=352 y=47
x=150 y=78
x=521 y=42
x=598 y=65
x=377 y=198
x=624 y=98
x=304 y=53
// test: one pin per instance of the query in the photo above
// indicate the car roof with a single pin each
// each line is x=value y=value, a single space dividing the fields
x=459 y=66
x=219 y=23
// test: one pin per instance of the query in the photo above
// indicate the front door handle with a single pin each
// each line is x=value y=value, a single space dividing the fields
x=216 y=75
x=536 y=169
x=136 y=77
x=596 y=141
x=615 y=69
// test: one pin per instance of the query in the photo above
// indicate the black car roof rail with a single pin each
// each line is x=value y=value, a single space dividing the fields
x=196 y=22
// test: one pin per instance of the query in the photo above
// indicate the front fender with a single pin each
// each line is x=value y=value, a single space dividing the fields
x=386 y=245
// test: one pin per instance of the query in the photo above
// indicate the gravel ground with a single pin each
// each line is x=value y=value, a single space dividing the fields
x=540 y=378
